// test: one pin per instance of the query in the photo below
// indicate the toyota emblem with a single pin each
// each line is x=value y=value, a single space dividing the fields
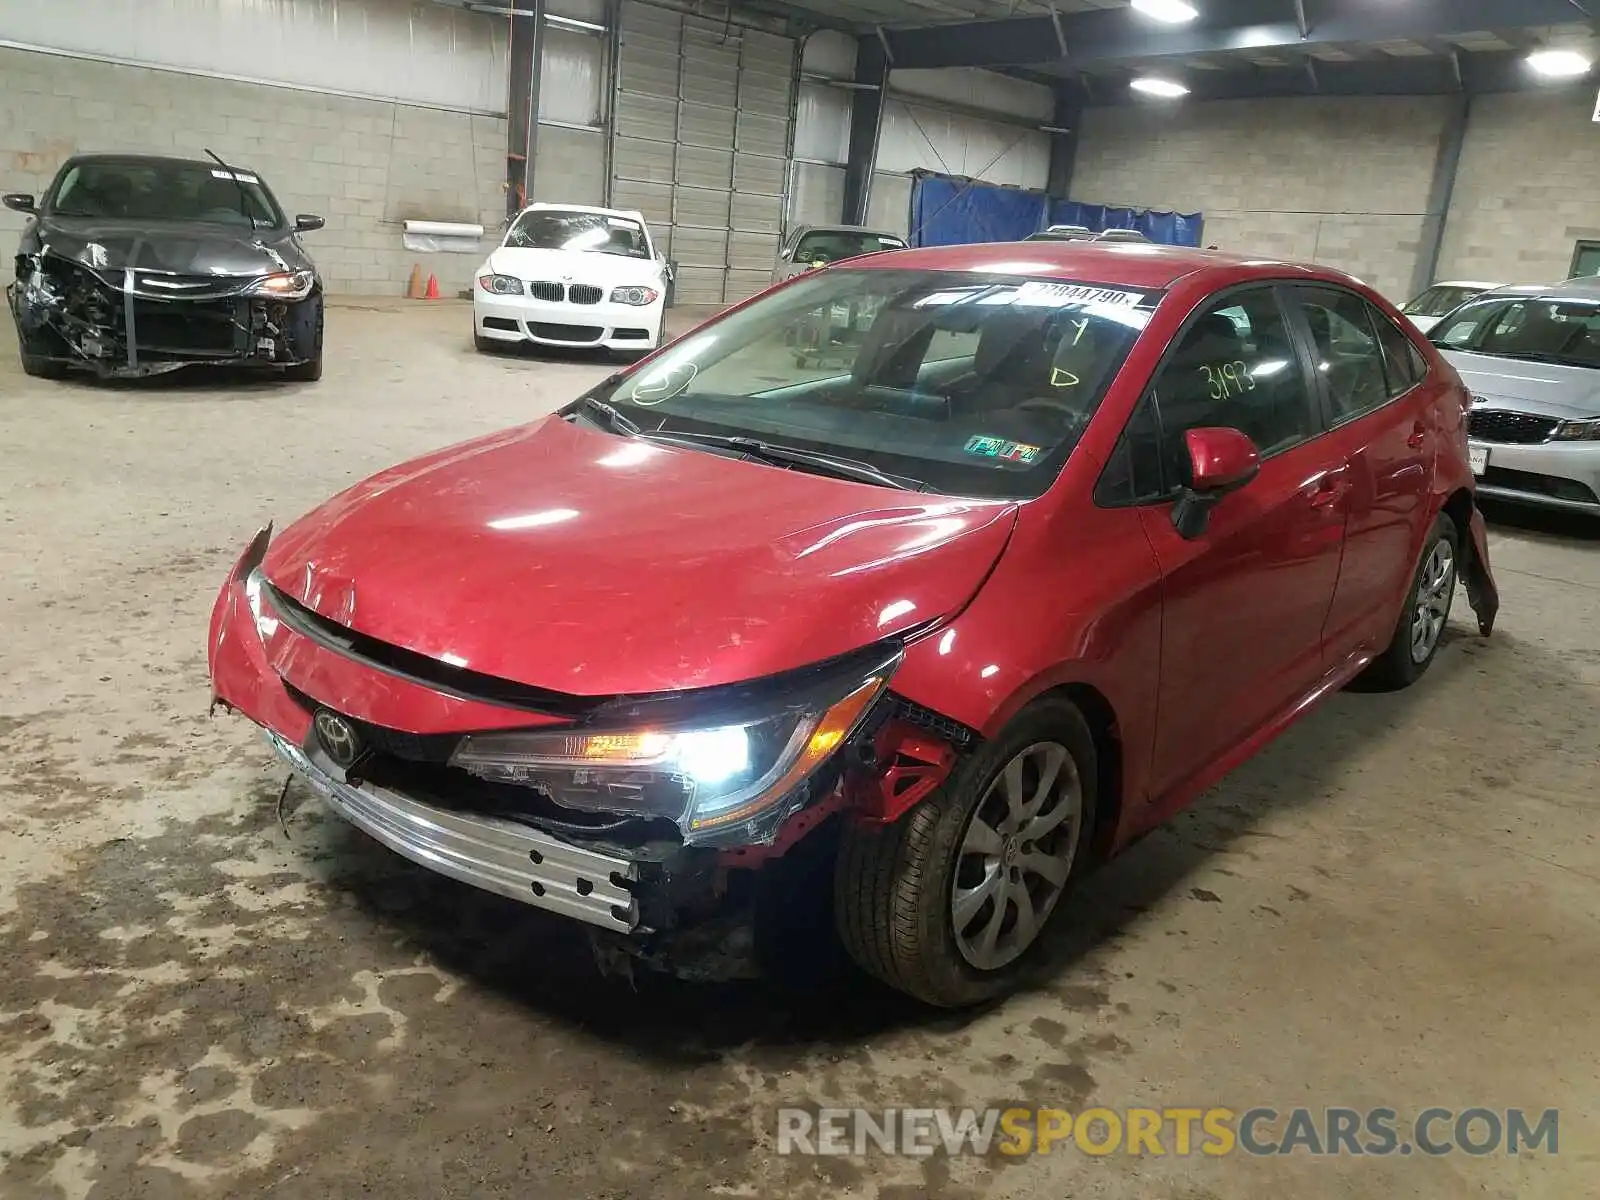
x=339 y=738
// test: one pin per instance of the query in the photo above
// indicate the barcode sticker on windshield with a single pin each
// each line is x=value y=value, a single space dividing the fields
x=240 y=176
x=1075 y=293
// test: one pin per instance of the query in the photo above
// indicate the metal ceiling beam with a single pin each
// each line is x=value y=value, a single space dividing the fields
x=1120 y=34
x=1467 y=73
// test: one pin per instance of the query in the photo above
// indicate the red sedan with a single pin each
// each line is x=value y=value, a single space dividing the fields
x=947 y=571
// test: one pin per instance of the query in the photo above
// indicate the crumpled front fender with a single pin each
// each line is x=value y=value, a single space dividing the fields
x=1482 y=591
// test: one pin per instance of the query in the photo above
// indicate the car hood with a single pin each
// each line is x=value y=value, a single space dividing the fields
x=575 y=266
x=1543 y=388
x=180 y=247
x=564 y=558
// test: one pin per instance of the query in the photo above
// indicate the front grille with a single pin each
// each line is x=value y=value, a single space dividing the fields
x=1515 y=428
x=201 y=327
x=584 y=293
x=551 y=293
x=567 y=333
x=1539 y=485
x=952 y=731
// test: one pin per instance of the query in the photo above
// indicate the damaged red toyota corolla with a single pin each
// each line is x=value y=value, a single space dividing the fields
x=953 y=570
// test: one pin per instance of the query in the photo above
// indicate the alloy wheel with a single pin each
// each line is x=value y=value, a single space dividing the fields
x=1015 y=856
x=1435 y=590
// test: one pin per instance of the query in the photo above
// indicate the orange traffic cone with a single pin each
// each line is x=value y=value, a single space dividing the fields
x=414 y=287
x=433 y=288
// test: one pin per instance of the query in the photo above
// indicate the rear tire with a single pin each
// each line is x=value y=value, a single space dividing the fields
x=948 y=903
x=1427 y=609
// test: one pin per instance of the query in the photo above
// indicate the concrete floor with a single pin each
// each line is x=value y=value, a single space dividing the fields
x=1398 y=904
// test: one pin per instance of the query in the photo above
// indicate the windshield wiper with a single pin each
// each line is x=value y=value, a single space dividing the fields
x=244 y=196
x=610 y=416
x=792 y=456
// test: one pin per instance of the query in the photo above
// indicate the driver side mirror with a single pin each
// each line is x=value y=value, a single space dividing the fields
x=20 y=202
x=306 y=222
x=1220 y=461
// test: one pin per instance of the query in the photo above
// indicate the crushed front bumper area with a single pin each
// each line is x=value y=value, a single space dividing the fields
x=129 y=323
x=505 y=857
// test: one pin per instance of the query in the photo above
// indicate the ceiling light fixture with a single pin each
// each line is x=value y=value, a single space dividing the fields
x=1559 y=64
x=1173 y=12
x=1167 y=89
x=574 y=23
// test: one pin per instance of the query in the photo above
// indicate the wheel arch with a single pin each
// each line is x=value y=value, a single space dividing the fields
x=1110 y=770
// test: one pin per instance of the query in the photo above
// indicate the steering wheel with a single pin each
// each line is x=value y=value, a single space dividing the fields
x=1051 y=407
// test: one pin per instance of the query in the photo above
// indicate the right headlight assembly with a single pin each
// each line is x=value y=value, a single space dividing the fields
x=723 y=777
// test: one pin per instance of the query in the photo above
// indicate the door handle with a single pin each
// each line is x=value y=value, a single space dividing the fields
x=1419 y=434
x=1327 y=491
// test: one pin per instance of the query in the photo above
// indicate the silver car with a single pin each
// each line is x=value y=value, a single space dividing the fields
x=1531 y=358
x=813 y=246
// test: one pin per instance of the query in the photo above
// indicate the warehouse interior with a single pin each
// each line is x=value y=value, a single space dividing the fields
x=216 y=988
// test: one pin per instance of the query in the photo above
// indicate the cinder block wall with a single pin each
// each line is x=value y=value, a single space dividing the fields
x=365 y=165
x=1338 y=180
x=1528 y=188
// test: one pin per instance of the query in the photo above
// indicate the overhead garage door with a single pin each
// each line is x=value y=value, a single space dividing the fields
x=701 y=146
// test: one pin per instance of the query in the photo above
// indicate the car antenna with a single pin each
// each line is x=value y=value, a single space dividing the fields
x=244 y=196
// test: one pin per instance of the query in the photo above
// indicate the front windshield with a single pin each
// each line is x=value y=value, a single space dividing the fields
x=1437 y=301
x=1537 y=328
x=155 y=190
x=977 y=385
x=833 y=245
x=552 y=229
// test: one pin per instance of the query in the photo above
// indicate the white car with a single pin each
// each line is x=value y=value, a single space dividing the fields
x=1426 y=309
x=570 y=275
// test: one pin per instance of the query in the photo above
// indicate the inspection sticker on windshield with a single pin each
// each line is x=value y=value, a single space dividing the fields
x=1035 y=292
x=993 y=447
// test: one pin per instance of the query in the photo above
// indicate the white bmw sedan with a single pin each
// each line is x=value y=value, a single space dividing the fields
x=569 y=275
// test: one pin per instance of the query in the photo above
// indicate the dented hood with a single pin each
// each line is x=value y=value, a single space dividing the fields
x=565 y=558
x=178 y=247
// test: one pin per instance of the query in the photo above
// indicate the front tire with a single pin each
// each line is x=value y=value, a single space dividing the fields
x=1427 y=608
x=948 y=903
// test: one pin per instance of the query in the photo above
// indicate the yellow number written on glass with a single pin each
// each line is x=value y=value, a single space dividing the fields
x=1228 y=379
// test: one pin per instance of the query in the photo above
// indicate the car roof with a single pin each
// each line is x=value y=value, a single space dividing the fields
x=1584 y=287
x=1466 y=283
x=1133 y=264
x=632 y=214
x=170 y=159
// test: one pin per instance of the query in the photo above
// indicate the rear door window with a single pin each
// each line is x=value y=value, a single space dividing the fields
x=1346 y=353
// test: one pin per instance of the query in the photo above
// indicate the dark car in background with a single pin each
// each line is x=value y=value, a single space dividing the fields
x=136 y=265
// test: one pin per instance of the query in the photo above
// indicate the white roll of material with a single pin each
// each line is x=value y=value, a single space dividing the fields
x=449 y=236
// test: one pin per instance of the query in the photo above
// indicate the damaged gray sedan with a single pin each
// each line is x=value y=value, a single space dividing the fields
x=136 y=265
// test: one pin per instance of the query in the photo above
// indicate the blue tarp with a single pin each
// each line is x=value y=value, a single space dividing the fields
x=946 y=211
x=954 y=212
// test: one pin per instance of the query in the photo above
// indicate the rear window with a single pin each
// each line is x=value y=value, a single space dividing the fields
x=833 y=245
x=1437 y=301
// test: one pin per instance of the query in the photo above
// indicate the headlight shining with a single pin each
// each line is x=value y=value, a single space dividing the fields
x=285 y=285
x=705 y=779
x=501 y=285
x=634 y=295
